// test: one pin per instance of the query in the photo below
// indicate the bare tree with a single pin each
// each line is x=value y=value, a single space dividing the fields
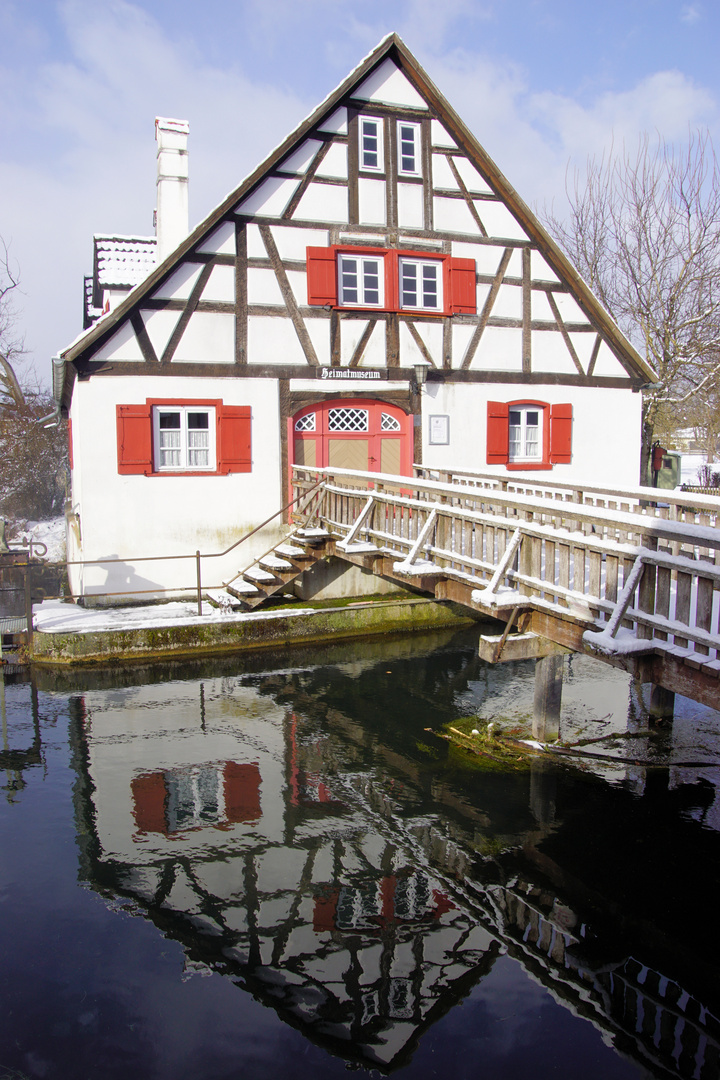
x=11 y=347
x=33 y=456
x=644 y=231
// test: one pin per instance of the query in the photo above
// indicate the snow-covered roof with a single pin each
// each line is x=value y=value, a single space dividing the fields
x=123 y=261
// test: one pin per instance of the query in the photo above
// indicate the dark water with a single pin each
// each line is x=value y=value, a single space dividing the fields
x=269 y=866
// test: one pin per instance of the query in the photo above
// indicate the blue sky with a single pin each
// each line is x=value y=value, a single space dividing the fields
x=542 y=83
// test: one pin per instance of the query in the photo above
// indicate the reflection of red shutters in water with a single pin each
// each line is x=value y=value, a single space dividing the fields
x=352 y=433
x=240 y=790
x=149 y=799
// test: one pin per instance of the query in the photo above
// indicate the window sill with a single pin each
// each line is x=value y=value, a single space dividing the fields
x=525 y=466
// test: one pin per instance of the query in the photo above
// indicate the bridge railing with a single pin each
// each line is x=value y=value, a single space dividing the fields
x=634 y=580
x=696 y=509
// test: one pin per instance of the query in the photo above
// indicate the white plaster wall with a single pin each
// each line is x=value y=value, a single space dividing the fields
x=410 y=206
x=208 y=338
x=299 y=161
x=291 y=243
x=336 y=123
x=180 y=284
x=130 y=516
x=440 y=136
x=442 y=174
x=602 y=454
x=498 y=221
x=471 y=177
x=122 y=345
x=220 y=285
x=453 y=215
x=323 y=202
x=270 y=198
x=371 y=201
x=221 y=241
x=273 y=341
x=388 y=85
x=335 y=163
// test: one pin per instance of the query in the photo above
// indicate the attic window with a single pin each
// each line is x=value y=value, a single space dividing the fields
x=371 y=140
x=408 y=149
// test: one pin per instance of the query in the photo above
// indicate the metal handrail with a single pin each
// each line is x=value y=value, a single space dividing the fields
x=196 y=555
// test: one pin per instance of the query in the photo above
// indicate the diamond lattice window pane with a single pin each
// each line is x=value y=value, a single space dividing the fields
x=389 y=423
x=306 y=423
x=348 y=420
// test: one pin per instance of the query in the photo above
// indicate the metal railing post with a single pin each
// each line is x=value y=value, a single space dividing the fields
x=199 y=583
x=28 y=603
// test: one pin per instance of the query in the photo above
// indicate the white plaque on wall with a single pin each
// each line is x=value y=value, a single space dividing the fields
x=439 y=430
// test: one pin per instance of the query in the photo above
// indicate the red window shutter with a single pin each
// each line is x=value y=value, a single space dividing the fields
x=497 y=433
x=70 y=444
x=321 y=276
x=561 y=434
x=134 y=439
x=463 y=291
x=233 y=438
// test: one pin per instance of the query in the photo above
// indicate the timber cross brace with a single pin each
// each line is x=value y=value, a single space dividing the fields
x=605 y=573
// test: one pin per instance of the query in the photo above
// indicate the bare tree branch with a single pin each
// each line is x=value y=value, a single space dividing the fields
x=643 y=228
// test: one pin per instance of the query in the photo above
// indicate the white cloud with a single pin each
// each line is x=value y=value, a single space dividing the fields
x=690 y=13
x=77 y=152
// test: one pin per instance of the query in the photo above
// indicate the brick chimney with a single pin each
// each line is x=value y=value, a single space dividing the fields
x=172 y=184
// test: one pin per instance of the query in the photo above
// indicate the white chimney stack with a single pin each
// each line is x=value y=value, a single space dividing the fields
x=172 y=184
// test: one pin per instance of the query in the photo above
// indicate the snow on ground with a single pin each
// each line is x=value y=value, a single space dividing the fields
x=691 y=463
x=59 y=617
x=51 y=533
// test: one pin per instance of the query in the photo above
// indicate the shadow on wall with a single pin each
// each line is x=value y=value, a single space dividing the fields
x=107 y=584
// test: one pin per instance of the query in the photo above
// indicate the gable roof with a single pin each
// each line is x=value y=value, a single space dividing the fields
x=393 y=48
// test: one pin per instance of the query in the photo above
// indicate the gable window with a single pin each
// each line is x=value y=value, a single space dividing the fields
x=421 y=284
x=184 y=438
x=354 y=277
x=371 y=148
x=360 y=281
x=529 y=434
x=408 y=149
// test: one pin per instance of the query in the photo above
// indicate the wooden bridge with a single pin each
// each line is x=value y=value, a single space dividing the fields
x=630 y=577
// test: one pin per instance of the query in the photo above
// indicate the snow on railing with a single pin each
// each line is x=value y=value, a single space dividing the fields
x=638 y=582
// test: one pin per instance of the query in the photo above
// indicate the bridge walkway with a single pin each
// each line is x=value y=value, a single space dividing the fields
x=631 y=577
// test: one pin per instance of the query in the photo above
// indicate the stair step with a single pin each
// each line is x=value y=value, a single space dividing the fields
x=272 y=562
x=244 y=587
x=311 y=536
x=221 y=599
x=292 y=551
x=259 y=576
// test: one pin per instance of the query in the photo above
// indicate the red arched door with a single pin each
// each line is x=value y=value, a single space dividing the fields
x=370 y=436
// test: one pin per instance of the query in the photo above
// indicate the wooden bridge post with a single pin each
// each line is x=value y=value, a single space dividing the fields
x=662 y=703
x=548 y=697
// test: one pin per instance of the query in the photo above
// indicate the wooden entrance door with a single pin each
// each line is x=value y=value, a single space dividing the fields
x=367 y=436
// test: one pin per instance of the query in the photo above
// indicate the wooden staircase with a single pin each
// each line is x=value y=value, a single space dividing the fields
x=272 y=572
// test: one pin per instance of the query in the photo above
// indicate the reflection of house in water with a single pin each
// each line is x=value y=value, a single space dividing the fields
x=294 y=848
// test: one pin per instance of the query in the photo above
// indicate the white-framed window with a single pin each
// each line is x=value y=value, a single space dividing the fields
x=371 y=143
x=525 y=433
x=184 y=438
x=360 y=281
x=421 y=284
x=409 y=158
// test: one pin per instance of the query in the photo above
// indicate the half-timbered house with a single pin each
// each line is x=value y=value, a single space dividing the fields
x=374 y=294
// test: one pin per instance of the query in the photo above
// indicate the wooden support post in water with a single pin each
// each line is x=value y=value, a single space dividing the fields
x=548 y=697
x=662 y=703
